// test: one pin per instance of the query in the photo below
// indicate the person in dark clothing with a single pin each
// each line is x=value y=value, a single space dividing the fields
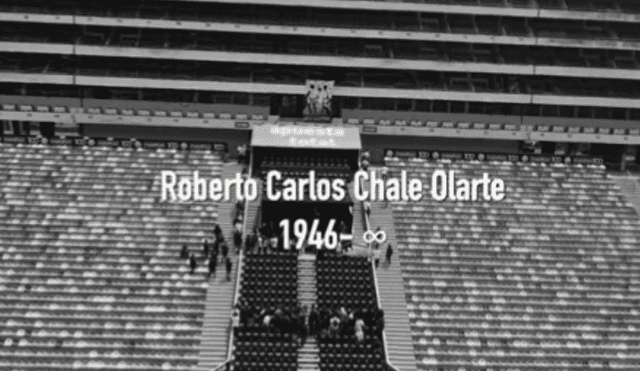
x=314 y=318
x=264 y=238
x=184 y=254
x=303 y=331
x=242 y=153
x=214 y=252
x=264 y=230
x=193 y=263
x=239 y=208
x=217 y=231
x=229 y=265
x=389 y=254
x=251 y=240
x=205 y=250
x=376 y=256
x=224 y=249
x=237 y=240
x=212 y=266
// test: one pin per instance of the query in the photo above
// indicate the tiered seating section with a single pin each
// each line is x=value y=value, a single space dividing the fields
x=347 y=282
x=90 y=268
x=268 y=282
x=545 y=280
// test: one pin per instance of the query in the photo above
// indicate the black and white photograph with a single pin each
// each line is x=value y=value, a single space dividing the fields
x=319 y=185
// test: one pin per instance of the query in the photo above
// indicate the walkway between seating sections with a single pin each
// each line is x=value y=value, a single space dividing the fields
x=218 y=306
x=308 y=357
x=398 y=339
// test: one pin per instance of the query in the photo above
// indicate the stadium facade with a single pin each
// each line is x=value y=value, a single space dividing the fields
x=557 y=71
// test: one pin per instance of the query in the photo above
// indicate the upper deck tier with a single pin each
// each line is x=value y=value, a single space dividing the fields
x=614 y=10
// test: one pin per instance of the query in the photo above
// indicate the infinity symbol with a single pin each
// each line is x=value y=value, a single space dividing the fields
x=379 y=236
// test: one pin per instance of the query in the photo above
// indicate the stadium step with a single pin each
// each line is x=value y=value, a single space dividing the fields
x=214 y=343
x=308 y=358
x=630 y=187
x=306 y=280
x=391 y=290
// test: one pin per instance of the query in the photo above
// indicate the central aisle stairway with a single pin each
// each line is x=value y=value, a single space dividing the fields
x=219 y=301
x=398 y=338
x=308 y=357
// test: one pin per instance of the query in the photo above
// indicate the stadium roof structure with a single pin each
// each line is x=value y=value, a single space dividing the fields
x=306 y=136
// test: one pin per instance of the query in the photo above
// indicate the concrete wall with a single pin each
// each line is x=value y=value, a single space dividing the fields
x=232 y=138
x=471 y=118
x=376 y=144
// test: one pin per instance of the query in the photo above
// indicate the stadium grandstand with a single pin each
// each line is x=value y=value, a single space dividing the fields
x=126 y=125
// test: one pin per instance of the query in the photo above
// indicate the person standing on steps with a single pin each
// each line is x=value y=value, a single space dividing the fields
x=367 y=209
x=385 y=175
x=212 y=266
x=242 y=153
x=224 y=249
x=313 y=320
x=192 y=263
x=217 y=231
x=303 y=330
x=359 y=330
x=237 y=239
x=389 y=254
x=184 y=253
x=214 y=252
x=205 y=250
x=228 y=265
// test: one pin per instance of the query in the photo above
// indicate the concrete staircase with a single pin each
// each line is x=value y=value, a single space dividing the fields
x=219 y=300
x=397 y=334
x=630 y=187
x=398 y=339
x=308 y=355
